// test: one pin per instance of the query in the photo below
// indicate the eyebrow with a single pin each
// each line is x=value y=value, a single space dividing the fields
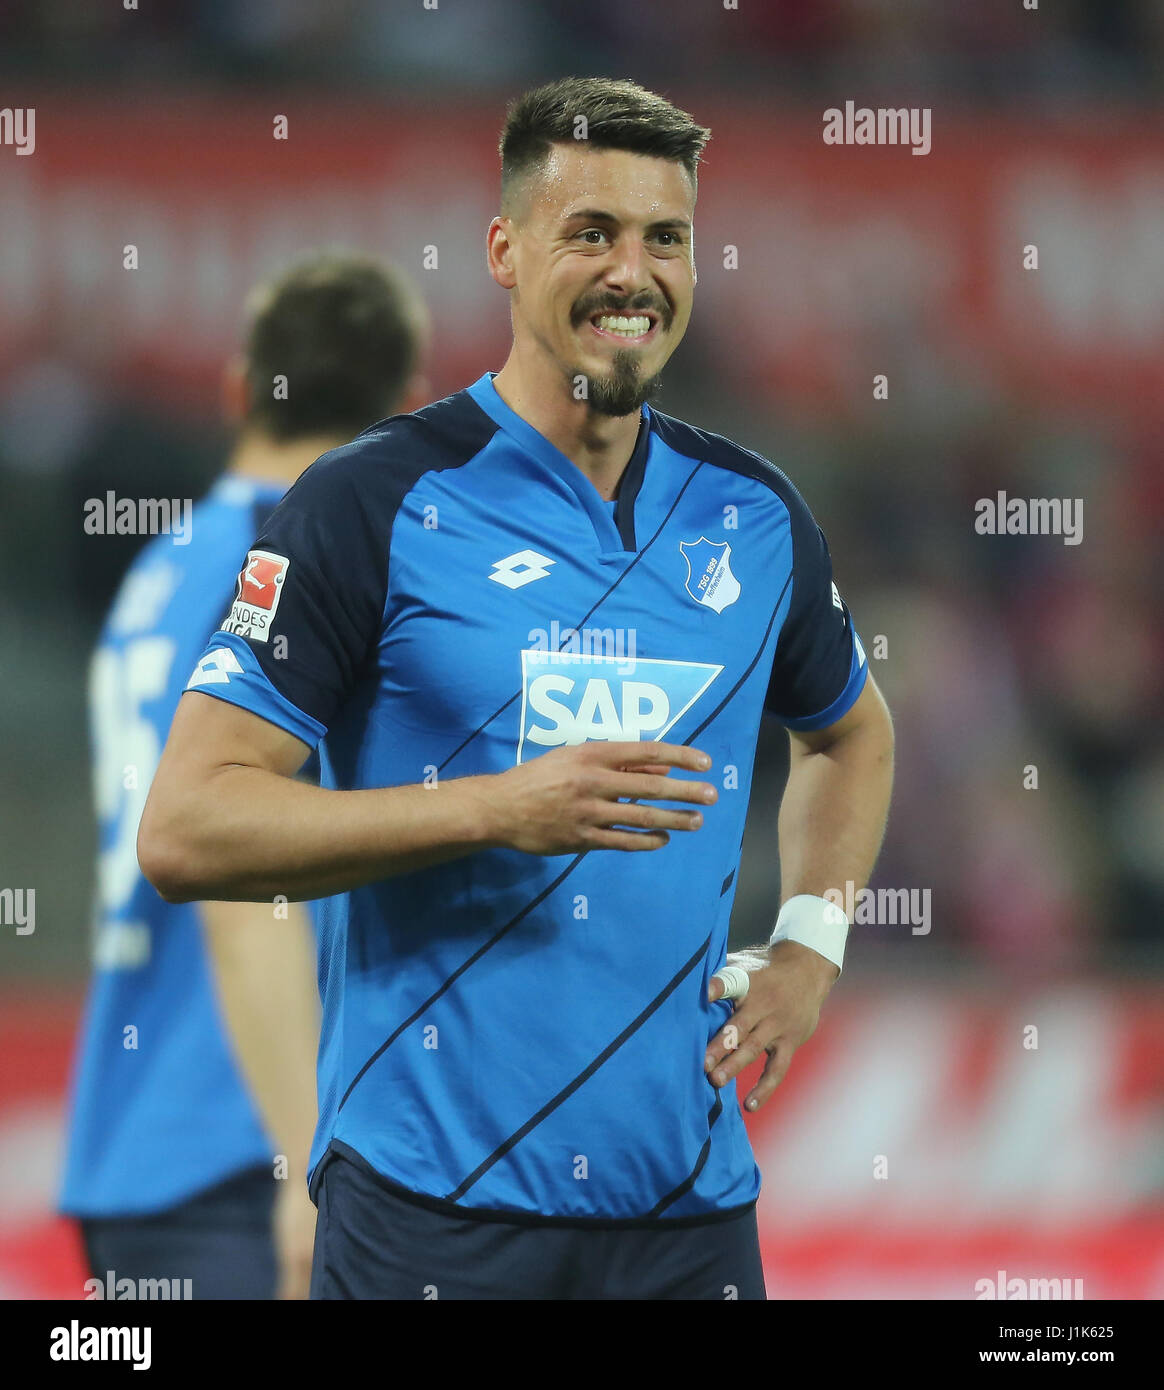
x=598 y=215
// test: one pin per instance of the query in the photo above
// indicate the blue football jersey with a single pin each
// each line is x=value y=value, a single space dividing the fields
x=159 y=1110
x=449 y=595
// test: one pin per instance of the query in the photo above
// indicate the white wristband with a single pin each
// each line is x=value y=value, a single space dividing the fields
x=815 y=923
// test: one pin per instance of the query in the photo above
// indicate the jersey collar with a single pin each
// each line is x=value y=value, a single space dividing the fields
x=616 y=533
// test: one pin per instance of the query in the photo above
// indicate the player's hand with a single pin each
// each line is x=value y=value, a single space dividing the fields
x=781 y=1011
x=294 y=1221
x=569 y=799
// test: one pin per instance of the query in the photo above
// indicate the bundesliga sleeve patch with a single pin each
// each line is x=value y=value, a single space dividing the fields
x=256 y=596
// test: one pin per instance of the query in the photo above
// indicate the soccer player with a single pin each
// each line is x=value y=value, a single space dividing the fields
x=172 y=1159
x=533 y=628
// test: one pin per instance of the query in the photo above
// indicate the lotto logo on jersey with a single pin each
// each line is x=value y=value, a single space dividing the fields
x=256 y=596
x=582 y=699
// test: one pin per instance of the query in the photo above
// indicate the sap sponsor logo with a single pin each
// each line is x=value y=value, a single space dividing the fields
x=257 y=595
x=710 y=580
x=215 y=668
x=584 y=699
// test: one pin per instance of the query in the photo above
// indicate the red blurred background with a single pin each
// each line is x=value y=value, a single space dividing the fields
x=819 y=268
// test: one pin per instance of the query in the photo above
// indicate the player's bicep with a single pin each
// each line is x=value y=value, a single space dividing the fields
x=209 y=740
x=869 y=709
x=208 y=735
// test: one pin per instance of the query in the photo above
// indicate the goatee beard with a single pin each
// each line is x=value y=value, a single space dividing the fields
x=623 y=390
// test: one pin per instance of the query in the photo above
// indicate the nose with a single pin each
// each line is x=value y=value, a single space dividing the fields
x=628 y=270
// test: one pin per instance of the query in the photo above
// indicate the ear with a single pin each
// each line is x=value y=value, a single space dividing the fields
x=499 y=252
x=236 y=396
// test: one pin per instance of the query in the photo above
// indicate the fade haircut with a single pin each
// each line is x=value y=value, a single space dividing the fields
x=619 y=115
x=346 y=331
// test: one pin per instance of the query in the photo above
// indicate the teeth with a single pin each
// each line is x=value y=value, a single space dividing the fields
x=628 y=327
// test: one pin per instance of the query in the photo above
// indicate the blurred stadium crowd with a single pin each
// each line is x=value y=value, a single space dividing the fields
x=994 y=51
x=1000 y=653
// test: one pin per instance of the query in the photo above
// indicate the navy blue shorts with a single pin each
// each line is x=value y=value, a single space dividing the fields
x=221 y=1240
x=370 y=1242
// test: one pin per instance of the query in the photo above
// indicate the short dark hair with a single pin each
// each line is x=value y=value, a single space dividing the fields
x=346 y=331
x=620 y=115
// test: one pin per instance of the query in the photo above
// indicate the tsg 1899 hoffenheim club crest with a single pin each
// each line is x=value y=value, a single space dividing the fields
x=710 y=580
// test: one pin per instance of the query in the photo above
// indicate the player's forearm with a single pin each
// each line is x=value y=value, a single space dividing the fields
x=264 y=969
x=832 y=818
x=245 y=834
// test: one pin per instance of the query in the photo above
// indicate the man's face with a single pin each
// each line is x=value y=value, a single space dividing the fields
x=602 y=260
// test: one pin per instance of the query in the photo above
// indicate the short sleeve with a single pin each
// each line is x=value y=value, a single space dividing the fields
x=819 y=668
x=309 y=599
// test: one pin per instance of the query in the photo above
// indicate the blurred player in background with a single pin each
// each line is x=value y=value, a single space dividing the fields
x=489 y=611
x=173 y=1155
